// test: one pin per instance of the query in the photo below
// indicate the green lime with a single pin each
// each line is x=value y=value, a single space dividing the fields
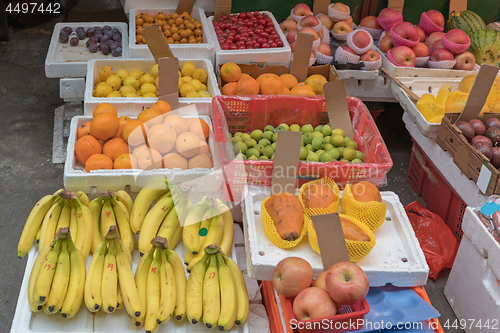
x=295 y=128
x=335 y=153
x=236 y=139
x=318 y=143
x=257 y=135
x=349 y=154
x=359 y=155
x=269 y=128
x=264 y=142
x=325 y=157
x=312 y=157
x=318 y=128
x=327 y=130
x=243 y=147
x=307 y=129
x=338 y=131
x=268 y=135
x=268 y=151
x=250 y=143
x=303 y=153
x=252 y=152
x=337 y=140
x=307 y=138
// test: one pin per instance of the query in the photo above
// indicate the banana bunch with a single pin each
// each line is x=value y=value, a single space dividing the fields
x=110 y=283
x=161 y=282
x=57 y=278
x=171 y=204
x=208 y=222
x=216 y=291
x=112 y=208
x=52 y=212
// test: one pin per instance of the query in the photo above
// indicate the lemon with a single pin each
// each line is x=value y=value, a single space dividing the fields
x=193 y=94
x=123 y=74
x=203 y=93
x=197 y=84
x=137 y=74
x=187 y=88
x=188 y=68
x=114 y=81
x=147 y=78
x=316 y=82
x=200 y=74
x=187 y=78
x=132 y=81
x=156 y=83
x=127 y=89
x=103 y=89
x=97 y=81
x=146 y=88
x=115 y=94
x=181 y=83
x=180 y=75
x=203 y=87
x=105 y=72
x=154 y=71
x=129 y=94
x=149 y=94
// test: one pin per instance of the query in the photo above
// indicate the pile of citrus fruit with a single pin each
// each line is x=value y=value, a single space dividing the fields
x=193 y=81
x=177 y=28
x=237 y=83
x=156 y=139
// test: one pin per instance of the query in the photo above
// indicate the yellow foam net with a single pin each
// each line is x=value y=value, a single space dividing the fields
x=272 y=233
x=370 y=213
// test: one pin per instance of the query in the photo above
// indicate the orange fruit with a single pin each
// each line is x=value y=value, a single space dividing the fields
x=85 y=147
x=198 y=127
x=271 y=84
x=139 y=149
x=260 y=77
x=178 y=123
x=162 y=138
x=135 y=133
x=245 y=76
x=188 y=144
x=204 y=148
x=83 y=130
x=115 y=147
x=149 y=159
x=302 y=90
x=125 y=161
x=150 y=117
x=174 y=160
x=285 y=91
x=162 y=106
x=247 y=87
x=104 y=108
x=289 y=81
x=200 y=161
x=123 y=120
x=230 y=72
x=228 y=88
x=98 y=162
x=365 y=192
x=104 y=126
x=102 y=142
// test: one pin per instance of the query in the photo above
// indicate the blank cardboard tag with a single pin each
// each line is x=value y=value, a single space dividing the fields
x=479 y=92
x=301 y=56
x=286 y=162
x=484 y=179
x=157 y=43
x=222 y=7
x=331 y=239
x=336 y=104
x=185 y=6
x=168 y=83
x=458 y=6
x=397 y=5
x=321 y=6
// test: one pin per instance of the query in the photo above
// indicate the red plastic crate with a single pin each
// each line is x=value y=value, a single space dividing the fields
x=233 y=114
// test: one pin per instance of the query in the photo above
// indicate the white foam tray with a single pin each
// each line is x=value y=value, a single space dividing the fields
x=77 y=179
x=358 y=74
x=25 y=321
x=396 y=258
x=133 y=105
x=271 y=56
x=72 y=89
x=64 y=60
x=206 y=5
x=377 y=90
x=203 y=50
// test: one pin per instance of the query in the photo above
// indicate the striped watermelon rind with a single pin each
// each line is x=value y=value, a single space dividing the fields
x=467 y=21
x=485 y=46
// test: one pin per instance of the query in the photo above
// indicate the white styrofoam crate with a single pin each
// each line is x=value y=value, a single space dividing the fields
x=72 y=89
x=203 y=50
x=377 y=90
x=358 y=74
x=396 y=258
x=207 y=5
x=84 y=321
x=133 y=105
x=472 y=288
x=77 y=179
x=271 y=56
x=64 y=60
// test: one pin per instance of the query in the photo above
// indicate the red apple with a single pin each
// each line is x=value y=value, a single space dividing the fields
x=407 y=31
x=465 y=61
x=441 y=54
x=301 y=9
x=340 y=7
x=342 y=27
x=324 y=49
x=326 y=21
x=287 y=25
x=403 y=56
x=291 y=276
x=370 y=55
x=436 y=17
x=309 y=21
x=388 y=13
x=385 y=44
x=320 y=281
x=457 y=36
x=421 y=50
x=320 y=34
x=349 y=20
x=434 y=37
x=347 y=283
x=421 y=33
x=370 y=22
x=311 y=31
x=313 y=303
x=290 y=38
x=437 y=45
x=348 y=49
x=361 y=39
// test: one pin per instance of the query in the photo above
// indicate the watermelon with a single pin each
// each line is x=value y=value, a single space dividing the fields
x=467 y=21
x=485 y=46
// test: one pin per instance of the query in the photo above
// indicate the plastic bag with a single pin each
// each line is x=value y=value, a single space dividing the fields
x=489 y=213
x=436 y=239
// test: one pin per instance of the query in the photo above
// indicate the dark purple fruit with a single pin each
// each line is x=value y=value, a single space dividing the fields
x=105 y=49
x=80 y=35
x=115 y=30
x=74 y=41
x=492 y=122
x=118 y=44
x=493 y=133
x=63 y=38
x=480 y=138
x=67 y=30
x=107 y=27
x=93 y=47
x=89 y=32
x=117 y=52
x=81 y=30
x=466 y=128
x=108 y=33
x=112 y=45
x=91 y=40
x=117 y=36
x=104 y=38
x=478 y=125
x=98 y=35
x=495 y=157
x=484 y=149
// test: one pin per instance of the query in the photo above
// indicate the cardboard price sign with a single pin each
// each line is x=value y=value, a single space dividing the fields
x=397 y=5
x=185 y=6
x=286 y=162
x=222 y=7
x=301 y=56
x=458 y=6
x=331 y=239
x=320 y=6
x=336 y=104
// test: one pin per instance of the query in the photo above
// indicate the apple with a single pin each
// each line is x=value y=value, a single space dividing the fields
x=320 y=281
x=348 y=49
x=421 y=33
x=340 y=7
x=361 y=39
x=457 y=36
x=341 y=28
x=465 y=61
x=311 y=31
x=421 y=50
x=292 y=46
x=292 y=33
x=370 y=22
x=437 y=45
x=347 y=283
x=403 y=56
x=434 y=37
x=406 y=30
x=309 y=21
x=349 y=20
x=320 y=34
x=291 y=275
x=441 y=55
x=436 y=17
x=387 y=13
x=301 y=9
x=313 y=303
x=287 y=25
x=324 y=49
x=326 y=20
x=385 y=43
x=312 y=55
x=370 y=55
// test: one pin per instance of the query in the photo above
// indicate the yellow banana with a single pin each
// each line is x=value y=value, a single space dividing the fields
x=125 y=198
x=144 y=199
x=227 y=241
x=45 y=275
x=194 y=291
x=95 y=207
x=211 y=294
x=107 y=217
x=228 y=296
x=205 y=225
x=37 y=237
x=119 y=296
x=109 y=283
x=153 y=293
x=122 y=219
x=176 y=237
x=73 y=222
x=168 y=225
x=93 y=297
x=168 y=291
x=39 y=261
x=49 y=224
x=141 y=278
x=241 y=291
x=180 y=284
x=214 y=236
x=184 y=210
x=187 y=257
x=127 y=283
x=83 y=197
x=85 y=228
x=74 y=295
x=65 y=216
x=33 y=223
x=191 y=228
x=60 y=281
x=152 y=222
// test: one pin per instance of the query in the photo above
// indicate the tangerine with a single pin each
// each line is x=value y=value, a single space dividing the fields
x=271 y=84
x=162 y=106
x=228 y=88
x=289 y=81
x=125 y=161
x=204 y=148
x=98 y=162
x=149 y=159
x=85 y=147
x=150 y=117
x=178 y=123
x=104 y=108
x=247 y=87
x=83 y=130
x=198 y=127
x=135 y=133
x=200 y=161
x=162 y=138
x=139 y=149
x=230 y=72
x=302 y=90
x=174 y=160
x=123 y=120
x=115 y=147
x=104 y=126
x=188 y=144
